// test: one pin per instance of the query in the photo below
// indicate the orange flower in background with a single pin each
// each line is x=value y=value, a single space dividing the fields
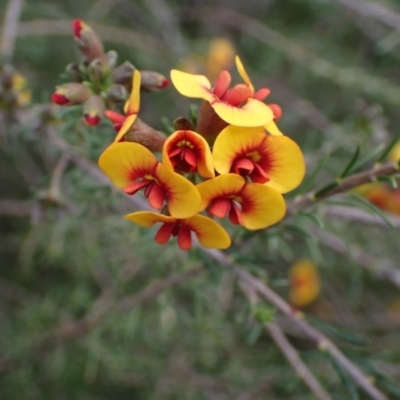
x=132 y=167
x=220 y=56
x=252 y=205
x=305 y=284
x=274 y=160
x=208 y=232
x=186 y=151
x=260 y=94
x=234 y=106
x=122 y=123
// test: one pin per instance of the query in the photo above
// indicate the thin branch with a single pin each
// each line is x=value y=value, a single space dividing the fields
x=382 y=268
x=10 y=28
x=296 y=362
x=377 y=11
x=320 y=340
x=344 y=185
x=317 y=337
x=357 y=215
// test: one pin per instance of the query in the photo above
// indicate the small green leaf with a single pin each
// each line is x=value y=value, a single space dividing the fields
x=389 y=148
x=351 y=163
x=325 y=189
x=345 y=378
x=168 y=127
x=389 y=179
x=313 y=217
x=264 y=313
x=193 y=110
x=365 y=160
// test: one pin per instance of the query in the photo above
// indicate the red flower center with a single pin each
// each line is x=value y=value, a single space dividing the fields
x=152 y=190
x=221 y=207
x=246 y=167
x=169 y=229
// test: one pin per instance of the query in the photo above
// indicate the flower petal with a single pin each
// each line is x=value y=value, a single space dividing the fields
x=262 y=206
x=233 y=142
x=184 y=238
x=124 y=162
x=220 y=187
x=191 y=85
x=253 y=113
x=132 y=106
x=209 y=233
x=183 y=197
x=205 y=166
x=243 y=73
x=149 y=218
x=126 y=125
x=285 y=164
x=273 y=129
x=164 y=232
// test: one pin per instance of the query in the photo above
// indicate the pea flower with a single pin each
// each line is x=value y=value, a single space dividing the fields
x=207 y=231
x=122 y=123
x=234 y=106
x=305 y=284
x=132 y=167
x=260 y=94
x=186 y=151
x=276 y=161
x=252 y=205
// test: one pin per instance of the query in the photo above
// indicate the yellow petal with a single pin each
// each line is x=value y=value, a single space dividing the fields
x=394 y=155
x=209 y=233
x=273 y=129
x=243 y=73
x=253 y=113
x=127 y=124
x=132 y=105
x=124 y=162
x=286 y=166
x=183 y=197
x=191 y=85
x=220 y=187
x=304 y=283
x=148 y=218
x=233 y=141
x=262 y=206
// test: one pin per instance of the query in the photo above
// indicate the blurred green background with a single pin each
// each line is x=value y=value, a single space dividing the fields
x=72 y=325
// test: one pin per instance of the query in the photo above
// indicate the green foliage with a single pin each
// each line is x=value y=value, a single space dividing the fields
x=67 y=256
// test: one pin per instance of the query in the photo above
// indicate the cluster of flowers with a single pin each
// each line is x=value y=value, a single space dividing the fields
x=14 y=91
x=233 y=163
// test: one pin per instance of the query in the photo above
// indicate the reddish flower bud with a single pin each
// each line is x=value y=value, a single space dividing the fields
x=71 y=93
x=153 y=81
x=93 y=110
x=88 y=42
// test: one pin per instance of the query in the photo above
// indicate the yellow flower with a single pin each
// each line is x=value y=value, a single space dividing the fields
x=305 y=284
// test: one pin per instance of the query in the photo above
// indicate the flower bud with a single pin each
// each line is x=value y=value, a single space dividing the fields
x=93 y=110
x=153 y=81
x=111 y=59
x=71 y=93
x=123 y=73
x=183 y=124
x=74 y=72
x=145 y=135
x=96 y=70
x=88 y=42
x=117 y=92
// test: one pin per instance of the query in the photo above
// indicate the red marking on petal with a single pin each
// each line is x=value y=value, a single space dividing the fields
x=136 y=186
x=175 y=152
x=114 y=117
x=261 y=94
x=165 y=83
x=243 y=167
x=164 y=233
x=184 y=238
x=259 y=175
x=235 y=214
x=220 y=207
x=222 y=83
x=59 y=99
x=156 y=195
x=237 y=95
x=77 y=27
x=190 y=158
x=92 y=120
x=276 y=110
